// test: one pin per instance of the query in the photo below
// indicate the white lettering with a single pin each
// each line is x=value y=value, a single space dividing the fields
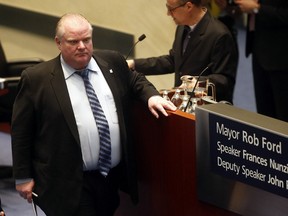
x=229 y=133
x=277 y=166
x=273 y=180
x=254 y=158
x=248 y=173
x=228 y=149
x=272 y=146
x=228 y=166
x=250 y=139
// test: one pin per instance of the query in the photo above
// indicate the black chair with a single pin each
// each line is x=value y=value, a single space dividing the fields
x=10 y=73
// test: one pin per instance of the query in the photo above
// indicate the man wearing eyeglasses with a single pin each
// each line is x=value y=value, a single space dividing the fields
x=208 y=42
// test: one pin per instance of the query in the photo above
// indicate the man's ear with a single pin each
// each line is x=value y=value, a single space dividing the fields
x=58 y=42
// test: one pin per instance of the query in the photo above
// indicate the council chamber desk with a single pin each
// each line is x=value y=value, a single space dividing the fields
x=166 y=157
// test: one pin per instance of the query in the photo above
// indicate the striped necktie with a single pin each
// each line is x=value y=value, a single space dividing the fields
x=104 y=163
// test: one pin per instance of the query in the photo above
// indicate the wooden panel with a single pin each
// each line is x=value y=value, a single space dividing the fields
x=166 y=153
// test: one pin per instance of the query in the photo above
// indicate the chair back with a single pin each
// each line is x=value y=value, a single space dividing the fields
x=3 y=61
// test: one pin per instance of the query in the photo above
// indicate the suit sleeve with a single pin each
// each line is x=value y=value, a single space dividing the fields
x=155 y=65
x=21 y=133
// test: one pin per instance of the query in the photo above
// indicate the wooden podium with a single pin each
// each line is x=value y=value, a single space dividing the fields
x=166 y=153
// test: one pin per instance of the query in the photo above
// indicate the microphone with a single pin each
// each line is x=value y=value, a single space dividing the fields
x=193 y=90
x=142 y=37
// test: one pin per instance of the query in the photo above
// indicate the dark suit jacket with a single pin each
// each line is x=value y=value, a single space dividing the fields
x=269 y=44
x=211 y=42
x=45 y=138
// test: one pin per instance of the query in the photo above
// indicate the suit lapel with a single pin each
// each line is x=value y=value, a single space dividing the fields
x=196 y=34
x=178 y=45
x=108 y=73
x=196 y=37
x=61 y=92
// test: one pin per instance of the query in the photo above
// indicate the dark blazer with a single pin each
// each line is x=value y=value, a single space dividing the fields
x=211 y=42
x=269 y=43
x=45 y=139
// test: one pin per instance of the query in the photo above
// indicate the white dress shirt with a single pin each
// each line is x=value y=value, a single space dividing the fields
x=87 y=128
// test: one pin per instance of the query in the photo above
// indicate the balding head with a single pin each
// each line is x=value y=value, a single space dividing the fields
x=70 y=19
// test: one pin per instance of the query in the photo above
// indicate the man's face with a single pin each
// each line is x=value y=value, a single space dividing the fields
x=177 y=10
x=76 y=45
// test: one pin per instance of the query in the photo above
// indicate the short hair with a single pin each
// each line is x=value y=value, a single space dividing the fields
x=59 y=32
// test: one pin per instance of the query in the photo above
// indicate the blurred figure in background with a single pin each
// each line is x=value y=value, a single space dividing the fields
x=267 y=41
x=228 y=13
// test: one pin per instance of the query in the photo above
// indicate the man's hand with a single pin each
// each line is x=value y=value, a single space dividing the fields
x=247 y=6
x=25 y=190
x=131 y=64
x=158 y=104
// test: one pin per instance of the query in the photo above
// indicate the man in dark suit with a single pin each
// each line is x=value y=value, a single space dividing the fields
x=209 y=43
x=267 y=33
x=55 y=139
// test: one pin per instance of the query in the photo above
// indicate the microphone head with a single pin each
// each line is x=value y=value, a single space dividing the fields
x=142 y=37
x=210 y=64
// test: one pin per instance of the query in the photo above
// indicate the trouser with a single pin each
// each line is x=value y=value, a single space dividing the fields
x=271 y=91
x=99 y=195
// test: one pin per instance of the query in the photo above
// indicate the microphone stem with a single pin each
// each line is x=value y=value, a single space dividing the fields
x=194 y=87
x=131 y=49
x=142 y=37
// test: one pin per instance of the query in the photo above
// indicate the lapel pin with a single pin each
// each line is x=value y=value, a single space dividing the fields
x=111 y=71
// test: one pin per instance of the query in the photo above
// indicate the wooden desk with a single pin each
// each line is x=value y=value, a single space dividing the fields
x=166 y=153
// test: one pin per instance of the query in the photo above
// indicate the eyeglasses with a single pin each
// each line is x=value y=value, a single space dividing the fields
x=174 y=8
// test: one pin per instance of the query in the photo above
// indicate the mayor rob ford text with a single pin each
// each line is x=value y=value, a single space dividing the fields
x=244 y=141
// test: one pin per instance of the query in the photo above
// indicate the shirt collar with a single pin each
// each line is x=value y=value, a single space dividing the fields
x=69 y=71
